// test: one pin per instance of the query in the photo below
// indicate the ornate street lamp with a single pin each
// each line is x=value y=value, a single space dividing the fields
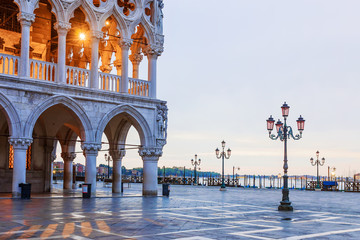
x=284 y=133
x=223 y=155
x=195 y=164
x=317 y=163
x=108 y=159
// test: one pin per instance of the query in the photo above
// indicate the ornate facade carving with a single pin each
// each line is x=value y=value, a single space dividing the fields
x=68 y=156
x=90 y=148
x=125 y=43
x=153 y=152
x=20 y=143
x=159 y=21
x=97 y=34
x=153 y=50
x=26 y=18
x=161 y=119
x=61 y=26
x=117 y=155
x=136 y=58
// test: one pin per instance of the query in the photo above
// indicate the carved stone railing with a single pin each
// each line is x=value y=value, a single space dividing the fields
x=77 y=76
x=139 y=87
x=109 y=82
x=9 y=64
x=42 y=70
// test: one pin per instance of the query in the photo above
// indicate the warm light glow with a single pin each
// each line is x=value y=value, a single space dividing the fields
x=82 y=36
x=107 y=23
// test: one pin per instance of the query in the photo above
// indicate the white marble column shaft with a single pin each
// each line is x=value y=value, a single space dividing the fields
x=117 y=156
x=62 y=29
x=68 y=169
x=150 y=157
x=25 y=19
x=125 y=46
x=94 y=78
x=90 y=153
x=20 y=145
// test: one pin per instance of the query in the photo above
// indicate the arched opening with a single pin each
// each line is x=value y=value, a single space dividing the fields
x=43 y=43
x=6 y=162
x=10 y=37
x=110 y=61
x=78 y=50
x=57 y=124
x=125 y=136
x=137 y=58
x=78 y=42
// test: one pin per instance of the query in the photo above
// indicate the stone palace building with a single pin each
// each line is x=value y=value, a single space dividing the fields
x=64 y=75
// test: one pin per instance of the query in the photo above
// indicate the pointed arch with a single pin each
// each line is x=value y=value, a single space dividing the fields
x=86 y=133
x=90 y=16
x=12 y=116
x=148 y=29
x=137 y=120
x=121 y=25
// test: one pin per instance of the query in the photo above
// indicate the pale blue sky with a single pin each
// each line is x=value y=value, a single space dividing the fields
x=228 y=65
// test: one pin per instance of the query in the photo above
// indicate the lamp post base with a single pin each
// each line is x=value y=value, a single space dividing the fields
x=285 y=206
x=317 y=189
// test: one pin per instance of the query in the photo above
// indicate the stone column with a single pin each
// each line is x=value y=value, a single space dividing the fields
x=117 y=156
x=62 y=29
x=150 y=157
x=90 y=153
x=136 y=60
x=25 y=19
x=152 y=54
x=48 y=168
x=94 y=77
x=20 y=146
x=125 y=45
x=53 y=157
x=68 y=169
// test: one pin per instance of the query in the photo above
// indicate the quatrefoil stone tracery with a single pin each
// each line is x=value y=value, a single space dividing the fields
x=127 y=6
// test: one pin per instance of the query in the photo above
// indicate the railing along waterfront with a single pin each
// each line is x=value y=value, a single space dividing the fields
x=109 y=82
x=9 y=64
x=42 y=70
x=139 y=87
x=77 y=76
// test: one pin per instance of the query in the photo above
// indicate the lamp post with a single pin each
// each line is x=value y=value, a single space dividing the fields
x=317 y=163
x=284 y=133
x=195 y=163
x=333 y=173
x=238 y=168
x=108 y=159
x=223 y=155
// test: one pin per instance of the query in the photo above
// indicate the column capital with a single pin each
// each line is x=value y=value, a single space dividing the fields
x=150 y=153
x=153 y=50
x=26 y=18
x=90 y=148
x=20 y=143
x=97 y=34
x=68 y=156
x=62 y=27
x=117 y=155
x=125 y=43
x=136 y=58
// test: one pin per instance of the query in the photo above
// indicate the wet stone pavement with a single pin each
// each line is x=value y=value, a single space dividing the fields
x=190 y=213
